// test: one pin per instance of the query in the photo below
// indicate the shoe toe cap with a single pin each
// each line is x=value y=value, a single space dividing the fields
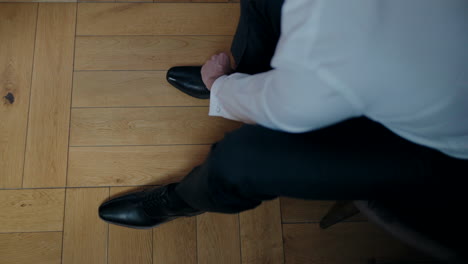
x=183 y=72
x=188 y=79
x=113 y=211
x=124 y=213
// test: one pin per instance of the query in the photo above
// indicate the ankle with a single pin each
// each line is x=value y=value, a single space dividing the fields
x=176 y=200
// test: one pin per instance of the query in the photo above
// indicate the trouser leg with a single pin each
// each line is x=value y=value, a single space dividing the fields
x=356 y=159
x=257 y=35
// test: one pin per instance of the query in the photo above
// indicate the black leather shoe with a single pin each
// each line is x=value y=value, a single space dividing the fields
x=146 y=209
x=188 y=79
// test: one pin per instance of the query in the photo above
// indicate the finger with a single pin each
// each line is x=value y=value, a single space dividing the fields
x=223 y=59
x=223 y=55
x=226 y=58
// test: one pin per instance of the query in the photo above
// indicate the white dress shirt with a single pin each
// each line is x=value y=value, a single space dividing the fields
x=401 y=63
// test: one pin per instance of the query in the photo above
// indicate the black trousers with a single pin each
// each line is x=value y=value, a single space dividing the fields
x=355 y=159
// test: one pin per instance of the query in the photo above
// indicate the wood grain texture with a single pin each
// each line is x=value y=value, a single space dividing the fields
x=129 y=245
x=128 y=88
x=146 y=52
x=213 y=1
x=146 y=126
x=157 y=19
x=347 y=243
x=176 y=242
x=85 y=235
x=17 y=31
x=134 y=1
x=97 y=1
x=37 y=1
x=123 y=166
x=261 y=234
x=303 y=211
x=171 y=1
x=31 y=210
x=47 y=143
x=27 y=248
x=218 y=239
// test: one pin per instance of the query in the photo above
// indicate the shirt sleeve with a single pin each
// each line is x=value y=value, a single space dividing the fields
x=291 y=101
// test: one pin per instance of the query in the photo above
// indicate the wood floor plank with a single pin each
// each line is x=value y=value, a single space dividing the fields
x=17 y=31
x=303 y=211
x=261 y=234
x=392 y=250
x=347 y=243
x=157 y=19
x=218 y=239
x=146 y=126
x=27 y=248
x=47 y=143
x=97 y=1
x=37 y=1
x=146 y=52
x=31 y=210
x=171 y=1
x=296 y=210
x=133 y=1
x=128 y=88
x=129 y=245
x=85 y=235
x=176 y=242
x=126 y=166
x=211 y=1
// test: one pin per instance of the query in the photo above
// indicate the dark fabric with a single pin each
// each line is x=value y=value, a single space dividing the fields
x=257 y=34
x=354 y=160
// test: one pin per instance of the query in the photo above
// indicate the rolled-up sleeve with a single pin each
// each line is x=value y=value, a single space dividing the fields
x=291 y=101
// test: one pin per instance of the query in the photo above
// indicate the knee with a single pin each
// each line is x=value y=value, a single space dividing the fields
x=228 y=165
x=231 y=159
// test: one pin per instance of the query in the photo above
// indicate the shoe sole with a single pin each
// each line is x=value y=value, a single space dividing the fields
x=138 y=227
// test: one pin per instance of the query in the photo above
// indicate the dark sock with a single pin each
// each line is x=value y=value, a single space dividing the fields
x=175 y=199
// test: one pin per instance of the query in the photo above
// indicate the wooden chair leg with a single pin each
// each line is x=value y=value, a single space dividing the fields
x=340 y=211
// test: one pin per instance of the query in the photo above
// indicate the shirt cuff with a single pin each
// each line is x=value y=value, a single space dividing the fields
x=215 y=105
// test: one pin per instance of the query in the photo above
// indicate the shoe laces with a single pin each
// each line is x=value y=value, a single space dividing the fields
x=156 y=200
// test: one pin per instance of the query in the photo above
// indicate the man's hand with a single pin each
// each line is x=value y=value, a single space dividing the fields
x=214 y=68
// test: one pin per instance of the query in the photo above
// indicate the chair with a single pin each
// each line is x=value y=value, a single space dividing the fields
x=434 y=227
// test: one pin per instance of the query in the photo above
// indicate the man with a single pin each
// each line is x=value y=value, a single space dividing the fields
x=351 y=100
